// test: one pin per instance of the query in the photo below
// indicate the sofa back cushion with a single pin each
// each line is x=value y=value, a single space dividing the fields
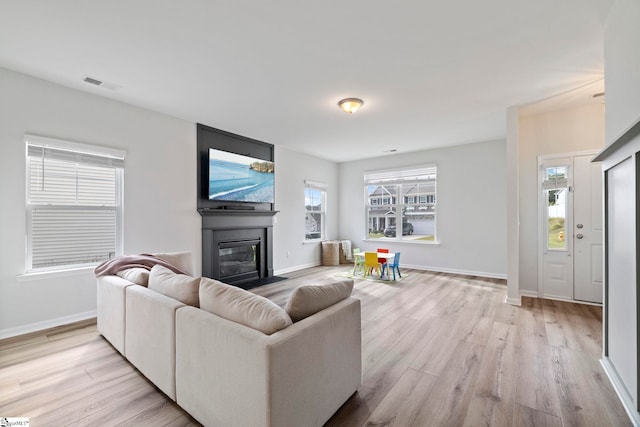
x=137 y=275
x=240 y=306
x=177 y=286
x=310 y=299
x=181 y=260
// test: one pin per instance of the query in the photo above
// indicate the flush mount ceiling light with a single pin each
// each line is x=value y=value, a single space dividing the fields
x=350 y=105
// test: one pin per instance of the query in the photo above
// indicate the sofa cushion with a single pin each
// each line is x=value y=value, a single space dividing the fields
x=240 y=306
x=150 y=337
x=137 y=275
x=177 y=286
x=310 y=299
x=181 y=260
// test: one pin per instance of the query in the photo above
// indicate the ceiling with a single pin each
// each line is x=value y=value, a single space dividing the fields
x=431 y=73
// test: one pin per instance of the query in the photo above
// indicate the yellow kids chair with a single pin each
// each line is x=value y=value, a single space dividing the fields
x=371 y=262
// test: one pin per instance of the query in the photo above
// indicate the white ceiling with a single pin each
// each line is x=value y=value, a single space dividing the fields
x=431 y=73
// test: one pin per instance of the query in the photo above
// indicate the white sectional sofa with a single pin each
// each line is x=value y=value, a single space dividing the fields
x=111 y=299
x=232 y=371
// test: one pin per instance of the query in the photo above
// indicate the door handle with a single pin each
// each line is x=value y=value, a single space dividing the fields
x=579 y=226
x=579 y=236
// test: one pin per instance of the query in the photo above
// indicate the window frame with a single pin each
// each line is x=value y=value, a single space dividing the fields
x=391 y=183
x=322 y=188
x=86 y=154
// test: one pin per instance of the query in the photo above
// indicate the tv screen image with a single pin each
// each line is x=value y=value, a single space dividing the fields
x=237 y=178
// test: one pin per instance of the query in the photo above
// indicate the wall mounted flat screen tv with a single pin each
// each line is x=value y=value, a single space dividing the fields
x=237 y=178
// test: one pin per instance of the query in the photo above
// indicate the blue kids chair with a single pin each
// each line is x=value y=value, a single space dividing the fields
x=393 y=266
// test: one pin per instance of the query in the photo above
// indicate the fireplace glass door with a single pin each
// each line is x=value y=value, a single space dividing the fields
x=238 y=258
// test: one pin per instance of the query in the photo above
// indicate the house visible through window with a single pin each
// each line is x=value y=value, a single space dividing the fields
x=74 y=204
x=408 y=207
x=315 y=196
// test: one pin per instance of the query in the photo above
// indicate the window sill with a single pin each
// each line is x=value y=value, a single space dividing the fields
x=52 y=274
x=311 y=242
x=405 y=242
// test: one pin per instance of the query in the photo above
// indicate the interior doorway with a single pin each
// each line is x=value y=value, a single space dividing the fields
x=570 y=228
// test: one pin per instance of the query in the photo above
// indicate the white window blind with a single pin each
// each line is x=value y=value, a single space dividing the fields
x=555 y=178
x=74 y=203
x=401 y=176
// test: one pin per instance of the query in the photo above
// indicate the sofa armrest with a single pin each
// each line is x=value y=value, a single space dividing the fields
x=316 y=365
x=228 y=374
x=221 y=369
x=111 y=309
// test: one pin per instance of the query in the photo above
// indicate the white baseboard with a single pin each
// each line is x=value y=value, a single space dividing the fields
x=557 y=298
x=534 y=294
x=296 y=268
x=513 y=301
x=415 y=267
x=455 y=271
x=618 y=386
x=565 y=299
x=527 y=293
x=52 y=323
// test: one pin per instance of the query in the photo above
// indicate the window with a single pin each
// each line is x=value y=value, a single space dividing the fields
x=74 y=204
x=315 y=200
x=408 y=208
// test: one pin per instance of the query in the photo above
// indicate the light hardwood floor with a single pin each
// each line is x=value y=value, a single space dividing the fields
x=437 y=350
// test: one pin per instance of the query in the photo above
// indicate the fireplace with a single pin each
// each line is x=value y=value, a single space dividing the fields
x=237 y=246
x=239 y=259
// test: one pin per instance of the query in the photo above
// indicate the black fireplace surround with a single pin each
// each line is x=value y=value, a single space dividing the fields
x=237 y=246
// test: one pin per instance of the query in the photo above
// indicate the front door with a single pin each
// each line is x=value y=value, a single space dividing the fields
x=587 y=230
x=556 y=214
x=571 y=229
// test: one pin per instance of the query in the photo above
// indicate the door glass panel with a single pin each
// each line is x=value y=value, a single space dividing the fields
x=556 y=216
x=556 y=191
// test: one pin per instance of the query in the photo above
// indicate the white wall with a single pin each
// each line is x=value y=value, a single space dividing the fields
x=292 y=169
x=622 y=83
x=564 y=131
x=471 y=212
x=159 y=200
x=622 y=67
x=513 y=206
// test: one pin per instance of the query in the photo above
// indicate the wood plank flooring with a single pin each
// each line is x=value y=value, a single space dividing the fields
x=437 y=350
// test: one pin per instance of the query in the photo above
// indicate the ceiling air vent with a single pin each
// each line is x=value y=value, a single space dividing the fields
x=101 y=83
x=92 y=81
